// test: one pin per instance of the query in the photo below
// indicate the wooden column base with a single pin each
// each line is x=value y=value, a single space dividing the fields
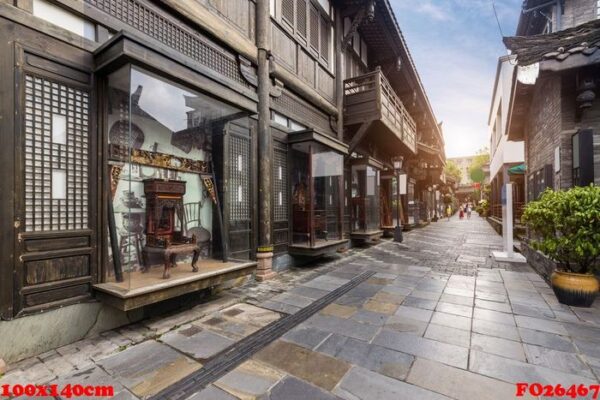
x=264 y=268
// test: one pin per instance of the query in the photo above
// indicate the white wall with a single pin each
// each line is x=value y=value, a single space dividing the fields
x=503 y=151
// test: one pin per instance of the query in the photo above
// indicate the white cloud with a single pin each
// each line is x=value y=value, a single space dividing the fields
x=434 y=11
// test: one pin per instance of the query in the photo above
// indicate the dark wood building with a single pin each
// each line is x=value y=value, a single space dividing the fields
x=231 y=138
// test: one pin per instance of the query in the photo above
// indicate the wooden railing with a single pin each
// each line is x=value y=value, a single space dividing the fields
x=370 y=97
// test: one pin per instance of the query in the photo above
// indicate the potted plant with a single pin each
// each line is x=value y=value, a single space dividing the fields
x=566 y=227
x=483 y=208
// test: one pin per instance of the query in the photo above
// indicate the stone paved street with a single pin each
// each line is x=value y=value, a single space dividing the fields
x=438 y=320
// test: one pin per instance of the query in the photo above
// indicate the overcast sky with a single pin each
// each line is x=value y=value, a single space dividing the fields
x=455 y=45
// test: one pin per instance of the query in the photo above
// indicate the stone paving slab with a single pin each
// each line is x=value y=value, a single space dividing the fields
x=319 y=369
x=375 y=358
x=148 y=368
x=457 y=383
x=363 y=384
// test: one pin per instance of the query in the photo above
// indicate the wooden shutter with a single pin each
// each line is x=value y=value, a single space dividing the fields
x=301 y=17
x=287 y=11
x=314 y=28
x=324 y=39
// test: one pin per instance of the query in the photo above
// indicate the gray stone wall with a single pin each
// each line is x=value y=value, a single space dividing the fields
x=29 y=336
x=577 y=12
x=545 y=124
x=553 y=121
x=542 y=264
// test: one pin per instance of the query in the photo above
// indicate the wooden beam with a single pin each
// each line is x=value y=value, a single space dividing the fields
x=359 y=135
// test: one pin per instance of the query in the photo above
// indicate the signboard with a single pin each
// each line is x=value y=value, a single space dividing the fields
x=403 y=183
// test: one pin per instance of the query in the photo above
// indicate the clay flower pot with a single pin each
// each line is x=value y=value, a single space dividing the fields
x=578 y=290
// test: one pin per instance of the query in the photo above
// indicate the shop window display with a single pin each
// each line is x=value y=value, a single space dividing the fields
x=365 y=198
x=316 y=188
x=162 y=198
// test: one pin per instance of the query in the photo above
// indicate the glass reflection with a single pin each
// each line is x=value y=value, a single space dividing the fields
x=317 y=178
x=365 y=198
x=160 y=152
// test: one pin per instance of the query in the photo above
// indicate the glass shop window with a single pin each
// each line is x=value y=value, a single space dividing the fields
x=316 y=183
x=365 y=198
x=162 y=191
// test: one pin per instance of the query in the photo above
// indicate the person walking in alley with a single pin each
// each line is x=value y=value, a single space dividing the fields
x=461 y=212
x=448 y=212
x=469 y=210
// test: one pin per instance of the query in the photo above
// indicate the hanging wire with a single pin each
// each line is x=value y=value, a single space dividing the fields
x=497 y=19
x=500 y=27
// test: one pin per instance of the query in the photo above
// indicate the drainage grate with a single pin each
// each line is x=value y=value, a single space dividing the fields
x=239 y=352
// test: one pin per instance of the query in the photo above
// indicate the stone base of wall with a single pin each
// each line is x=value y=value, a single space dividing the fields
x=541 y=263
x=32 y=335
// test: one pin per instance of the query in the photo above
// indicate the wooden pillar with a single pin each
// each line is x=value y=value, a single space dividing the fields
x=264 y=254
x=339 y=71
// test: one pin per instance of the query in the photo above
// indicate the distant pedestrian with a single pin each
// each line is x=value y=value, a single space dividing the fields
x=449 y=212
x=461 y=212
x=469 y=210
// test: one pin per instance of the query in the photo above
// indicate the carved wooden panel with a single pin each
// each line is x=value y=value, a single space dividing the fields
x=56 y=156
x=55 y=269
x=172 y=33
x=41 y=298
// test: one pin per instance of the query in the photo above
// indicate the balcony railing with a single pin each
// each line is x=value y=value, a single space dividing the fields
x=370 y=97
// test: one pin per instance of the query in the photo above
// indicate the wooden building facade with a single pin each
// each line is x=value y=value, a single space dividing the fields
x=225 y=137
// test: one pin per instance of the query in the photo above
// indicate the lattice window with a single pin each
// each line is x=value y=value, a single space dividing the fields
x=168 y=32
x=56 y=156
x=301 y=17
x=314 y=28
x=302 y=111
x=287 y=11
x=239 y=178
x=280 y=201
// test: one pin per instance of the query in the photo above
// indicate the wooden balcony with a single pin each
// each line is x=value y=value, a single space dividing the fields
x=369 y=100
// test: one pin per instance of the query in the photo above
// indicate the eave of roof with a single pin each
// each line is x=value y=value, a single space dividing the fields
x=558 y=46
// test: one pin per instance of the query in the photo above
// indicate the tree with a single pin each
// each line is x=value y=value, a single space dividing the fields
x=452 y=170
x=476 y=169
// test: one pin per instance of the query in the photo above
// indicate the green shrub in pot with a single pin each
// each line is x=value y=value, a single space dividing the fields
x=565 y=225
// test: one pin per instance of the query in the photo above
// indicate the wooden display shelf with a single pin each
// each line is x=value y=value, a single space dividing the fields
x=367 y=236
x=140 y=289
x=320 y=248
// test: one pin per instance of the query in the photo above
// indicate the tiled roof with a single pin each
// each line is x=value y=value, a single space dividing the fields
x=583 y=39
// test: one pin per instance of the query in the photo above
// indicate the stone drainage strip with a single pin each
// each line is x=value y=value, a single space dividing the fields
x=239 y=352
